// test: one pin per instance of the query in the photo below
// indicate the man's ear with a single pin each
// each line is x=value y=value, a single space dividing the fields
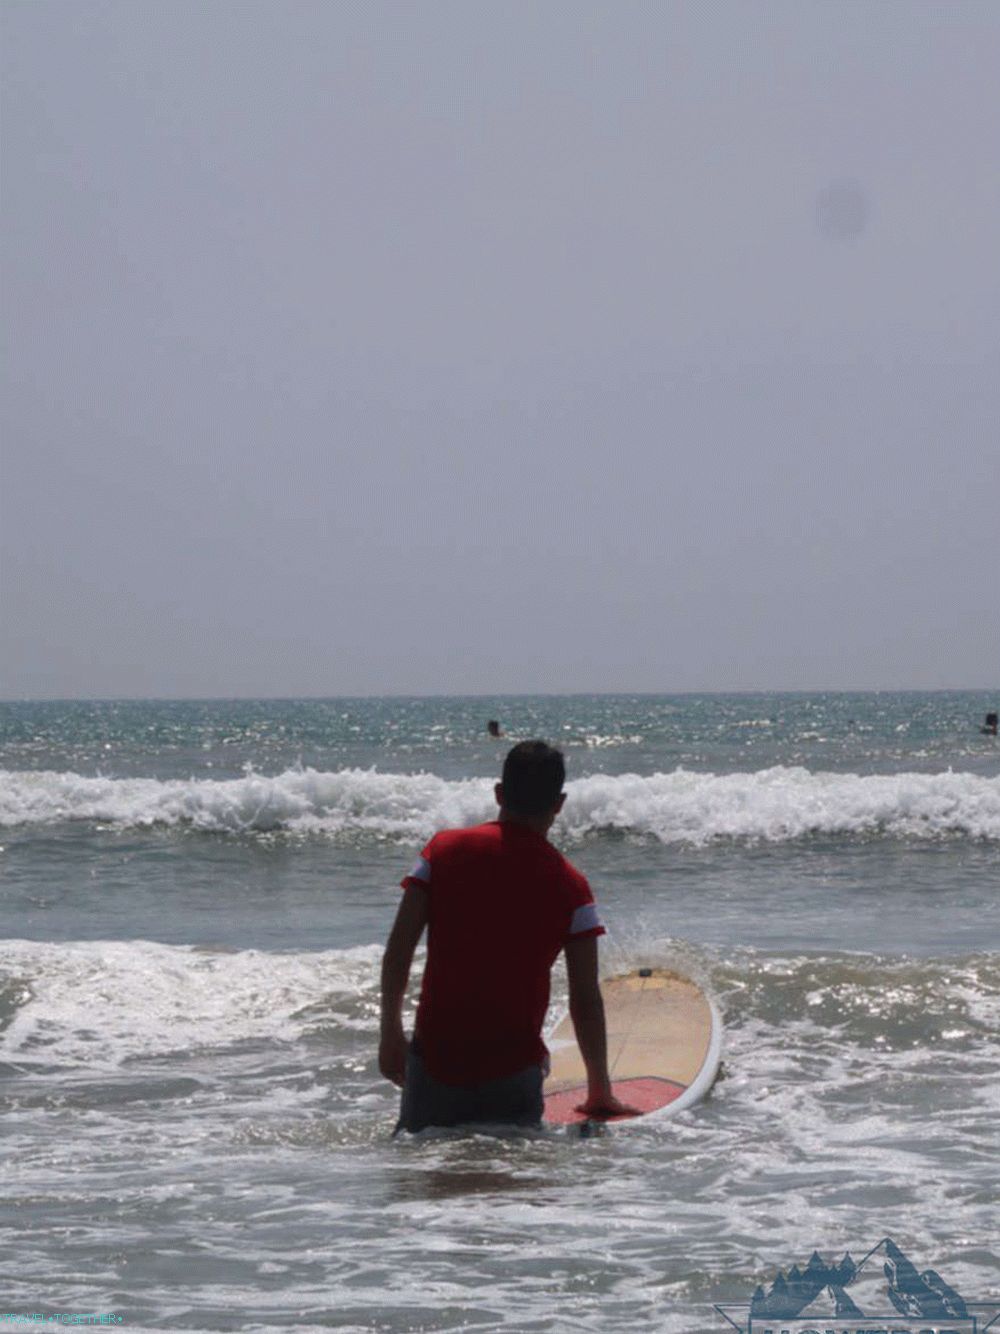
x=560 y=803
x=498 y=793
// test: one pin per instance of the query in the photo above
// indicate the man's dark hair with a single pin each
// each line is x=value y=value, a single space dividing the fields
x=533 y=777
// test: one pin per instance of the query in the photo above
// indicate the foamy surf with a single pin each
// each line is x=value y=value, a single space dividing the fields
x=849 y=1081
x=776 y=805
x=95 y=1005
x=197 y=1130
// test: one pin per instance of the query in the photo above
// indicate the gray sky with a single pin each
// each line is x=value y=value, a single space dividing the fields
x=369 y=347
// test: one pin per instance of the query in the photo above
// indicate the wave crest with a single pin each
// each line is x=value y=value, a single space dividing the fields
x=682 y=807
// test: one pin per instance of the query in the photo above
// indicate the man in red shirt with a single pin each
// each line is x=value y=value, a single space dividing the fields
x=499 y=902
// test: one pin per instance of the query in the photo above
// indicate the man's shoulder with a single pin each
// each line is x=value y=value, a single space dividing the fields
x=570 y=872
x=546 y=856
x=479 y=835
x=501 y=843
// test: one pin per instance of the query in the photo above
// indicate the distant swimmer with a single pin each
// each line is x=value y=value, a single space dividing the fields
x=991 y=725
x=493 y=727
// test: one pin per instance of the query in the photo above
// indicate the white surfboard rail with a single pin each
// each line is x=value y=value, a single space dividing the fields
x=664 y=1033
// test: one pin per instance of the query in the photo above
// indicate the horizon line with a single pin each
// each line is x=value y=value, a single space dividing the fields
x=487 y=695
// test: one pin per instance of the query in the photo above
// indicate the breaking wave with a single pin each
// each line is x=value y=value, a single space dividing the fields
x=682 y=807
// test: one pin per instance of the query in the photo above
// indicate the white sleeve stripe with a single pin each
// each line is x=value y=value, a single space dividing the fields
x=584 y=919
x=421 y=870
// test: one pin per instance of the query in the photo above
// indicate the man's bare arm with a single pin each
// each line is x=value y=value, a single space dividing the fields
x=407 y=929
x=586 y=1008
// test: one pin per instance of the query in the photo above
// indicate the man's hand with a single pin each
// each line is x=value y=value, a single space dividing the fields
x=605 y=1105
x=392 y=1056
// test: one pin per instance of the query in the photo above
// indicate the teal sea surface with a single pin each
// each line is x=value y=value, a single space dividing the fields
x=193 y=901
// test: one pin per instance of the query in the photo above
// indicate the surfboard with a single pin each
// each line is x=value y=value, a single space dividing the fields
x=664 y=1047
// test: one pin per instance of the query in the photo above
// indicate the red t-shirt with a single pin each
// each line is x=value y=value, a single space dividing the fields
x=502 y=903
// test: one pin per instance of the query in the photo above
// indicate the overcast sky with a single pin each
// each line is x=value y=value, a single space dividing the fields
x=361 y=347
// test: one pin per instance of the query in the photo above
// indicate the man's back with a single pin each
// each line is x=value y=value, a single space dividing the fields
x=499 y=902
x=502 y=903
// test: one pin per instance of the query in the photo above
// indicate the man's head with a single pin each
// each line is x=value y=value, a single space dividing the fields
x=531 y=786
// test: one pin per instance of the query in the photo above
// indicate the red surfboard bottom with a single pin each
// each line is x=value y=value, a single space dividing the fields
x=646 y=1094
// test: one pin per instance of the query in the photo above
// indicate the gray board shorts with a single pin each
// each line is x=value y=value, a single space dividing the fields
x=515 y=1100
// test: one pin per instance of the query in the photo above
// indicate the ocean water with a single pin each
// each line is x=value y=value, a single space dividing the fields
x=193 y=902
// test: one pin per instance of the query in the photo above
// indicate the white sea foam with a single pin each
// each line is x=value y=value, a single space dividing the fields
x=785 y=803
x=262 y=1164
x=302 y=799
x=95 y=1004
x=775 y=804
